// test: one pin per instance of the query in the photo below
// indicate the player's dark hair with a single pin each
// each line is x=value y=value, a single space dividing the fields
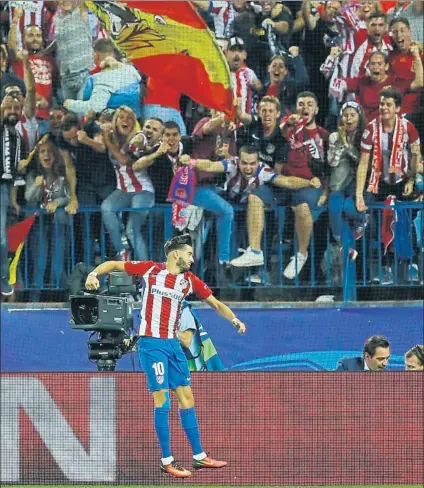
x=373 y=342
x=418 y=352
x=249 y=150
x=306 y=94
x=170 y=124
x=402 y=20
x=177 y=243
x=69 y=121
x=392 y=93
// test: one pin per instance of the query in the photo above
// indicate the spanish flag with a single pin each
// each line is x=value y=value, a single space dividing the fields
x=169 y=40
x=16 y=235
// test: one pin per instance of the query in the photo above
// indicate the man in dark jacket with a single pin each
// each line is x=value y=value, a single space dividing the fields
x=375 y=358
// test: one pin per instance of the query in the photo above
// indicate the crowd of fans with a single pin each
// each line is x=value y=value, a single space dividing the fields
x=329 y=108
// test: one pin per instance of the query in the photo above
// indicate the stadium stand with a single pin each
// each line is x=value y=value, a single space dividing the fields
x=91 y=145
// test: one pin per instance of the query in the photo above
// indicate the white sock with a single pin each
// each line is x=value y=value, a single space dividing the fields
x=167 y=460
x=199 y=457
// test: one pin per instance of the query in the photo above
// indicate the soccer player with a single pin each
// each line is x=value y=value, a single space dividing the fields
x=166 y=285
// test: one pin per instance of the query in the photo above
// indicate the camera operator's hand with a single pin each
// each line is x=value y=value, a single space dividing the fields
x=92 y=283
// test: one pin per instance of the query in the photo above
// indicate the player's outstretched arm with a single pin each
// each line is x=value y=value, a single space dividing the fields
x=226 y=312
x=92 y=282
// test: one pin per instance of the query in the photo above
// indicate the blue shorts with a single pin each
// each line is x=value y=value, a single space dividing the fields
x=283 y=197
x=164 y=363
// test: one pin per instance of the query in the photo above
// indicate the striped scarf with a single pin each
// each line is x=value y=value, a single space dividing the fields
x=9 y=167
x=396 y=157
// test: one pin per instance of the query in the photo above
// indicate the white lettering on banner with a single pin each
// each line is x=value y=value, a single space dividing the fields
x=41 y=71
x=30 y=394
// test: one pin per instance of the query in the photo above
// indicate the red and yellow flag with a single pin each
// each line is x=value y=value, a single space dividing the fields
x=16 y=235
x=170 y=41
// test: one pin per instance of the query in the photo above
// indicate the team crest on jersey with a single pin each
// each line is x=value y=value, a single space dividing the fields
x=159 y=379
x=183 y=282
x=270 y=149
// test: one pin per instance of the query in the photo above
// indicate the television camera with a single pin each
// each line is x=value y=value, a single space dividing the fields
x=109 y=316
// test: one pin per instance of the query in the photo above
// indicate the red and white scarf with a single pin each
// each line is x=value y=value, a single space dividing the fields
x=294 y=133
x=396 y=157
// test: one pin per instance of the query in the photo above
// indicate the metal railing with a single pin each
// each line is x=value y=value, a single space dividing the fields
x=45 y=267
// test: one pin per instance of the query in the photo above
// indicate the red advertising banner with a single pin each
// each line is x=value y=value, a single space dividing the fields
x=274 y=429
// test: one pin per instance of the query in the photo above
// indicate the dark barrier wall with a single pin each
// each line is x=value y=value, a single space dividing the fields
x=273 y=429
x=306 y=339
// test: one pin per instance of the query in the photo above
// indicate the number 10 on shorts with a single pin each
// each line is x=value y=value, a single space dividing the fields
x=159 y=370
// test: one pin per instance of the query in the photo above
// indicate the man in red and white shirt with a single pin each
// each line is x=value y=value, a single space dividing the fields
x=366 y=41
x=33 y=13
x=43 y=67
x=391 y=143
x=243 y=79
x=166 y=285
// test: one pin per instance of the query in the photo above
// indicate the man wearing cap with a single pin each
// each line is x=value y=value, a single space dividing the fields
x=243 y=79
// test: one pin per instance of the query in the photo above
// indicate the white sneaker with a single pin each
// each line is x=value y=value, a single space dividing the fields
x=254 y=278
x=248 y=258
x=290 y=271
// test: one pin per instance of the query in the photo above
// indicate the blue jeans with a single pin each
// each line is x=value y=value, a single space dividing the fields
x=165 y=114
x=50 y=231
x=116 y=202
x=73 y=84
x=207 y=198
x=4 y=204
x=339 y=203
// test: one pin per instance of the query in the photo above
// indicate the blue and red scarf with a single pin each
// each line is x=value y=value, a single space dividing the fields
x=181 y=193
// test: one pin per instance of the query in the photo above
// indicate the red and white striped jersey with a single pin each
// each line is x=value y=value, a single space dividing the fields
x=127 y=179
x=239 y=188
x=163 y=296
x=242 y=81
x=223 y=14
